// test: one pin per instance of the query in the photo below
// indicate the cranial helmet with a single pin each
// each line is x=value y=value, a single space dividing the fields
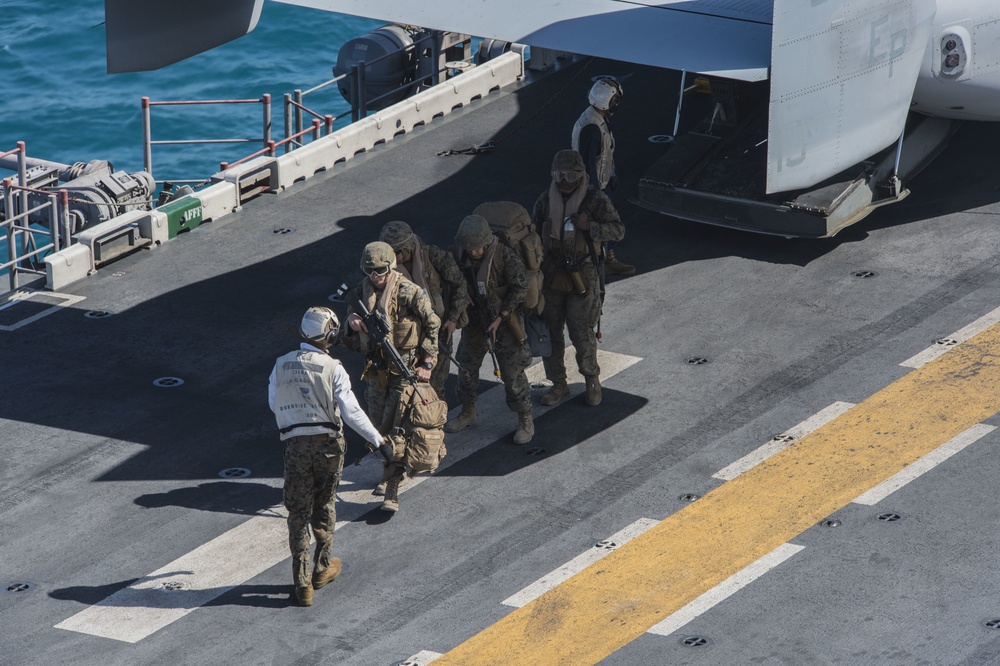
x=319 y=325
x=473 y=233
x=606 y=94
x=398 y=234
x=377 y=255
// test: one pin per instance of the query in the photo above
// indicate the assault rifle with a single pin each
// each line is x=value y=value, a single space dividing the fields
x=378 y=329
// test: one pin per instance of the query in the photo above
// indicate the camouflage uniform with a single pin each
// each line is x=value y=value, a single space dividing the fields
x=506 y=286
x=313 y=465
x=414 y=328
x=385 y=384
x=441 y=279
x=512 y=356
x=563 y=307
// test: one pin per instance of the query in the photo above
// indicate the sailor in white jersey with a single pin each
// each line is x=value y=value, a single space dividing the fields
x=311 y=397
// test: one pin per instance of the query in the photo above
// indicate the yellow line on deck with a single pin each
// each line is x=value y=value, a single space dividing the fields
x=618 y=599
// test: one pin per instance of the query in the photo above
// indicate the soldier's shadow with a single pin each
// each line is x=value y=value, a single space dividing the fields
x=558 y=430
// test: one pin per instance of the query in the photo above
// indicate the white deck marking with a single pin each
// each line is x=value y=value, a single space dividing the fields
x=961 y=335
x=260 y=543
x=26 y=295
x=579 y=563
x=421 y=658
x=212 y=569
x=924 y=465
x=726 y=588
x=782 y=441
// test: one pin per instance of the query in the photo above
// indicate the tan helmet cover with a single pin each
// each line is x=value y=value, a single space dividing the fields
x=377 y=255
x=568 y=160
x=398 y=234
x=473 y=233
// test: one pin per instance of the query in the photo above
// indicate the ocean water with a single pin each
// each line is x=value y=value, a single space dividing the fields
x=58 y=98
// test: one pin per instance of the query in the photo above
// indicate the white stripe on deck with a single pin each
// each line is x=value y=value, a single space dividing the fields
x=962 y=335
x=924 y=465
x=421 y=658
x=260 y=543
x=600 y=550
x=206 y=572
x=782 y=441
x=725 y=589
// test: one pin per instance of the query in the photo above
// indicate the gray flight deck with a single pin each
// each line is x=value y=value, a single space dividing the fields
x=105 y=478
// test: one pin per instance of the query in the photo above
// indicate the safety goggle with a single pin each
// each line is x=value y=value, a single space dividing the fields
x=567 y=176
x=380 y=271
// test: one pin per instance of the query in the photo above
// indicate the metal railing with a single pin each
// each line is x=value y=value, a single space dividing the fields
x=27 y=245
x=295 y=129
x=147 y=130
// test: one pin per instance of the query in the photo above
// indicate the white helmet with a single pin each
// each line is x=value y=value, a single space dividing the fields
x=319 y=325
x=606 y=94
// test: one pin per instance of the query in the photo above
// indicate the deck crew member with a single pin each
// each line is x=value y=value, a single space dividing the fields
x=575 y=218
x=497 y=284
x=592 y=138
x=311 y=397
x=414 y=329
x=435 y=271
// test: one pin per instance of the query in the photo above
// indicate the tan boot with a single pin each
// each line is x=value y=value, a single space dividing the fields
x=525 y=428
x=321 y=578
x=558 y=391
x=593 y=390
x=391 y=502
x=614 y=267
x=304 y=595
x=465 y=419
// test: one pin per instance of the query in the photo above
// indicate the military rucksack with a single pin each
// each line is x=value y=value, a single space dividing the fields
x=513 y=226
x=418 y=429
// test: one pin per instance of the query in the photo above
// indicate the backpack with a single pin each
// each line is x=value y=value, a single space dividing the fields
x=513 y=226
x=421 y=446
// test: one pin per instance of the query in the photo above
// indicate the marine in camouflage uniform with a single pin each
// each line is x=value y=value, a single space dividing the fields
x=434 y=270
x=311 y=397
x=575 y=218
x=484 y=260
x=414 y=328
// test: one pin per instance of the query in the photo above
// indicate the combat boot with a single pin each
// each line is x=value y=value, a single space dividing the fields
x=304 y=595
x=380 y=488
x=525 y=428
x=556 y=393
x=321 y=578
x=614 y=267
x=391 y=502
x=593 y=396
x=465 y=419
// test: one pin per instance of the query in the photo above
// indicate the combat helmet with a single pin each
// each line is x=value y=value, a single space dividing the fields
x=473 y=233
x=398 y=234
x=377 y=256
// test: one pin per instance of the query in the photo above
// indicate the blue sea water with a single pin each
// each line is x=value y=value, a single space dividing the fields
x=56 y=96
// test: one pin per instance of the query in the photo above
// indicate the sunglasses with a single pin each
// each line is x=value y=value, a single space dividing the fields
x=380 y=271
x=567 y=176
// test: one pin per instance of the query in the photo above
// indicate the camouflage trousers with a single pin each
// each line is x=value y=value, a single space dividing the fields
x=382 y=392
x=313 y=465
x=579 y=315
x=512 y=358
x=441 y=368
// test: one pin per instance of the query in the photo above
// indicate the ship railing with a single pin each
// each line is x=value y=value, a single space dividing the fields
x=26 y=243
x=147 y=131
